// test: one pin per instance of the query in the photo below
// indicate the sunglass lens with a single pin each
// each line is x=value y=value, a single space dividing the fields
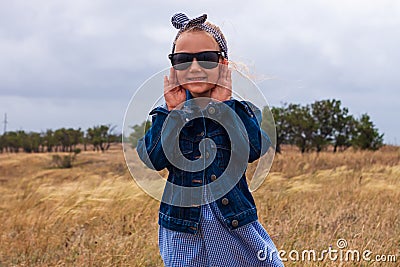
x=182 y=61
x=208 y=56
x=182 y=66
x=208 y=59
x=208 y=64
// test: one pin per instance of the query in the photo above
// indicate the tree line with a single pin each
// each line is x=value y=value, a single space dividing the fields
x=320 y=125
x=97 y=138
x=311 y=127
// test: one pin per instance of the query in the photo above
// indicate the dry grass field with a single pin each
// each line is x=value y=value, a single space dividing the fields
x=94 y=214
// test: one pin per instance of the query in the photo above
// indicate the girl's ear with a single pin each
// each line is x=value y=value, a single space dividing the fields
x=225 y=61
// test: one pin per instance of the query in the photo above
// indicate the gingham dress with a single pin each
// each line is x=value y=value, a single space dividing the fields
x=216 y=245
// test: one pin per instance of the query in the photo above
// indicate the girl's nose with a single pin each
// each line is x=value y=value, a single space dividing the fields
x=195 y=66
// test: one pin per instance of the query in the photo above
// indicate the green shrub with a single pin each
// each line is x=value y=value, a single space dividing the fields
x=65 y=161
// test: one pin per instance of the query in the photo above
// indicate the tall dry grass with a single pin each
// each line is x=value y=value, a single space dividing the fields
x=95 y=215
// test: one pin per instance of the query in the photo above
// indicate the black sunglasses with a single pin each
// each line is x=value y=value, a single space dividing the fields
x=206 y=59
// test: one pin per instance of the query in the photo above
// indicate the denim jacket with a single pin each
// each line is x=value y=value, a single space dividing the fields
x=237 y=206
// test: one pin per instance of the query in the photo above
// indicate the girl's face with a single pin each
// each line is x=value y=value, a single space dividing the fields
x=197 y=80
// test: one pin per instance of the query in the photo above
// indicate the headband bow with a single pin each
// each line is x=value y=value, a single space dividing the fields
x=181 y=22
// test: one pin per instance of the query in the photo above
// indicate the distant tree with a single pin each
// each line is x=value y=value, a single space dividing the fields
x=366 y=136
x=138 y=132
x=343 y=129
x=281 y=120
x=2 y=143
x=322 y=114
x=85 y=140
x=31 y=142
x=24 y=141
x=12 y=142
x=302 y=126
x=113 y=138
x=63 y=140
x=76 y=137
x=100 y=137
x=49 y=140
x=58 y=138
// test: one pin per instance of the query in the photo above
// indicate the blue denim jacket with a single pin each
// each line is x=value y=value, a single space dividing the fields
x=237 y=206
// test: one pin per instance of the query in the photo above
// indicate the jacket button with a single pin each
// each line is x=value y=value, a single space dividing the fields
x=201 y=134
x=211 y=110
x=235 y=223
x=225 y=201
x=213 y=177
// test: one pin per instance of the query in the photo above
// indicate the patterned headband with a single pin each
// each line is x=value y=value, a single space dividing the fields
x=182 y=23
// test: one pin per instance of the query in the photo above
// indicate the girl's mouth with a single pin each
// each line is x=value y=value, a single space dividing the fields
x=197 y=79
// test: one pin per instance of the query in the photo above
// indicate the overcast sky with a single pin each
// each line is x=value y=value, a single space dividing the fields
x=78 y=63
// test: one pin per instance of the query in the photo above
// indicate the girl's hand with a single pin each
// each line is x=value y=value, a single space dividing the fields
x=223 y=89
x=174 y=94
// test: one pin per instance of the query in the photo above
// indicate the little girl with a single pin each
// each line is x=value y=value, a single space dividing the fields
x=224 y=231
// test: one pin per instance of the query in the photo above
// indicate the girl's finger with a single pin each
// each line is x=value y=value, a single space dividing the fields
x=166 y=83
x=226 y=73
x=221 y=72
x=225 y=76
x=172 y=76
x=169 y=87
x=221 y=79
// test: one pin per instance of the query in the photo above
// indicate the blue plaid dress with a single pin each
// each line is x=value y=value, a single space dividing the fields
x=217 y=246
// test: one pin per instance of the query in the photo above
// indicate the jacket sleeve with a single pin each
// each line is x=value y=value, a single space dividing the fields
x=259 y=142
x=150 y=147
